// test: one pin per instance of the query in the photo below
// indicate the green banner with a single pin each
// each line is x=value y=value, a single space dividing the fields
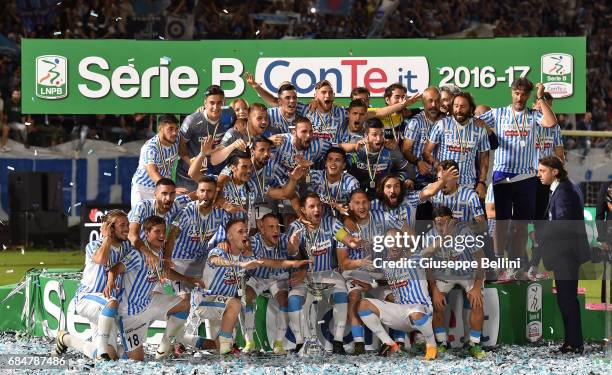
x=130 y=76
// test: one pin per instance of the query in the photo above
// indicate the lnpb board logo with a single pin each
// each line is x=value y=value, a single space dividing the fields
x=51 y=77
x=558 y=74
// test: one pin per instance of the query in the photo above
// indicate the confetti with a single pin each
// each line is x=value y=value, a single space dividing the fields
x=411 y=21
x=42 y=262
x=10 y=271
x=71 y=183
x=504 y=292
x=27 y=123
x=91 y=151
x=161 y=37
x=96 y=136
x=120 y=142
x=57 y=33
x=260 y=53
x=3 y=247
x=107 y=174
x=225 y=11
x=93 y=14
x=257 y=32
x=131 y=65
x=10 y=168
x=118 y=19
x=351 y=52
x=77 y=204
x=35 y=152
x=551 y=330
x=58 y=4
x=130 y=60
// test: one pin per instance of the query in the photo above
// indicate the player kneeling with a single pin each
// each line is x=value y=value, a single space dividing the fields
x=90 y=302
x=442 y=281
x=224 y=274
x=411 y=309
x=140 y=305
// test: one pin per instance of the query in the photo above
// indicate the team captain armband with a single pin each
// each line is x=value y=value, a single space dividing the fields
x=341 y=234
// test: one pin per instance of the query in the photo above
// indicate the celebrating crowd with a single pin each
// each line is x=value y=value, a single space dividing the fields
x=288 y=199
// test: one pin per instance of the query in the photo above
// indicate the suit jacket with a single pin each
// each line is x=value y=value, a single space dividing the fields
x=565 y=238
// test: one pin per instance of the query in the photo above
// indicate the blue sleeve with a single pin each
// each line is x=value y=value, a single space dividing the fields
x=132 y=261
x=136 y=213
x=436 y=133
x=489 y=118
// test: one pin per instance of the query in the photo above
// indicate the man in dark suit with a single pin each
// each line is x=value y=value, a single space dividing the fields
x=565 y=246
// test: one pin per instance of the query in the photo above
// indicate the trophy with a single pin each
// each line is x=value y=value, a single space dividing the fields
x=316 y=286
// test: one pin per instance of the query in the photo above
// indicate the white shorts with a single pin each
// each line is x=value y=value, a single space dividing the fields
x=90 y=305
x=141 y=193
x=133 y=328
x=324 y=277
x=187 y=267
x=212 y=307
x=379 y=292
x=273 y=285
x=446 y=286
x=396 y=316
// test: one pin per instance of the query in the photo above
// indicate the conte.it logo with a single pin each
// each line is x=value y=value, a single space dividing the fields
x=51 y=77
x=558 y=74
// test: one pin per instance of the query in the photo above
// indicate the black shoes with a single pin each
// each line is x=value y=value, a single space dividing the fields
x=359 y=348
x=568 y=349
x=338 y=347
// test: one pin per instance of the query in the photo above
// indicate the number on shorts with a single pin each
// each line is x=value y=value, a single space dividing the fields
x=135 y=341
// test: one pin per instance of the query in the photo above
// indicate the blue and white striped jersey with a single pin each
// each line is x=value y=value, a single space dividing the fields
x=325 y=125
x=261 y=179
x=405 y=212
x=490 y=198
x=337 y=192
x=153 y=152
x=143 y=209
x=547 y=139
x=263 y=251
x=418 y=130
x=378 y=225
x=408 y=284
x=139 y=280
x=196 y=231
x=512 y=129
x=94 y=274
x=285 y=156
x=345 y=135
x=462 y=144
x=464 y=203
x=240 y=195
x=279 y=124
x=460 y=251
x=223 y=281
x=321 y=243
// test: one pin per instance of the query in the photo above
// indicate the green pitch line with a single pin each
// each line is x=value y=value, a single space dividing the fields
x=19 y=264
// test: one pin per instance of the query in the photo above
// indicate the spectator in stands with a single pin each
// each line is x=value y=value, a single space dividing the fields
x=15 y=120
x=584 y=142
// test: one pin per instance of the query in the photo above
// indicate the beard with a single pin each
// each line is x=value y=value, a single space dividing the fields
x=461 y=117
x=388 y=203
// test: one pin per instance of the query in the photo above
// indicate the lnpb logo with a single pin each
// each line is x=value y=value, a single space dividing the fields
x=51 y=77
x=558 y=74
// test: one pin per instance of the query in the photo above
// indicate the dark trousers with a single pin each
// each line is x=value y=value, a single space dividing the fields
x=566 y=281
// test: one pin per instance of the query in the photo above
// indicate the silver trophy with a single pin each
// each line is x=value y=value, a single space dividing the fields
x=316 y=286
